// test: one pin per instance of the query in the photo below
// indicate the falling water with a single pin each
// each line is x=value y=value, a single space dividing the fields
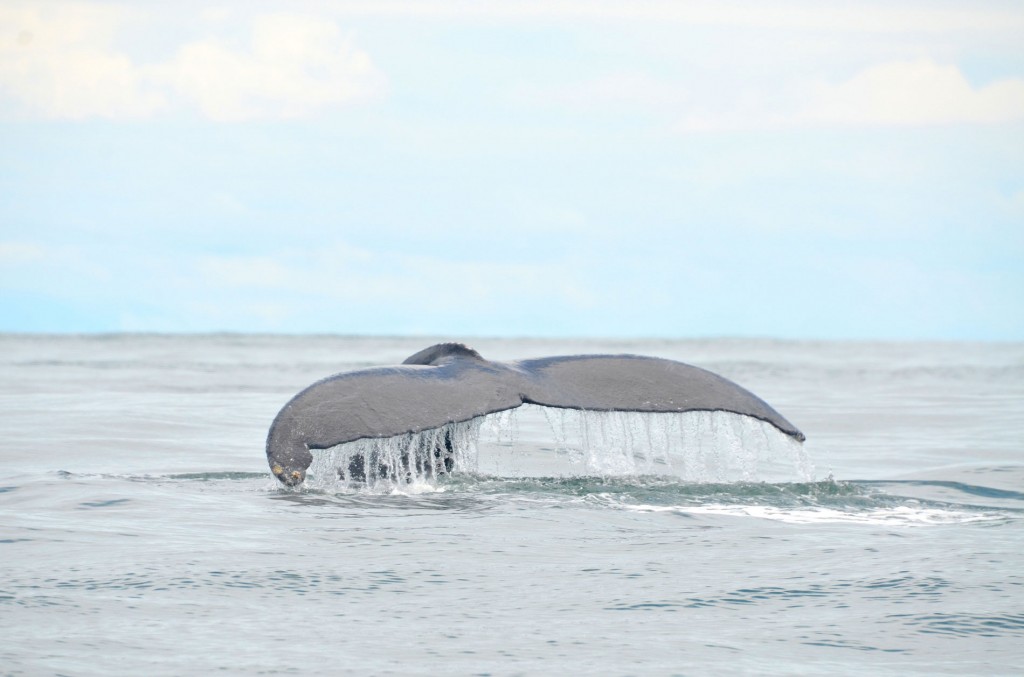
x=412 y=458
x=697 y=446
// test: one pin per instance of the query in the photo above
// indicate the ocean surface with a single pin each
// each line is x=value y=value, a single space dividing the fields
x=141 y=531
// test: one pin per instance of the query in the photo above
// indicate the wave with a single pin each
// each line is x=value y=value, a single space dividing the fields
x=866 y=502
x=821 y=502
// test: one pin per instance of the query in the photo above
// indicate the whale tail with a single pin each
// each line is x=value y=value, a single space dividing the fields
x=452 y=383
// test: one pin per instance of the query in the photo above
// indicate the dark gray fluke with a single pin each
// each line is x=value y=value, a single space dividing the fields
x=450 y=383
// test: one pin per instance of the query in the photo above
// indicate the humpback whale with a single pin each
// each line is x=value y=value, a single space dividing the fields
x=451 y=383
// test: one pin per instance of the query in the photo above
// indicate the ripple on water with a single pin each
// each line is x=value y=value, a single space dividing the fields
x=266 y=584
x=839 y=593
x=822 y=502
x=356 y=504
x=962 y=624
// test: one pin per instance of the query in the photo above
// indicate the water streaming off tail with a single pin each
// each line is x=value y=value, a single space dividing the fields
x=410 y=459
x=697 y=446
x=700 y=446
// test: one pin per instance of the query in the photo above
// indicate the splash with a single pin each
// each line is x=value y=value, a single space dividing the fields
x=696 y=446
x=699 y=446
x=401 y=461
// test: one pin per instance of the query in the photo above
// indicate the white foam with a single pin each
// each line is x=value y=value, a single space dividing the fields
x=908 y=516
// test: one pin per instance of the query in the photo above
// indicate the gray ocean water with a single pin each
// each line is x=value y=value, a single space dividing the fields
x=141 y=532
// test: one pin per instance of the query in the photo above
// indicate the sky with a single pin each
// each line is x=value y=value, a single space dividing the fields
x=579 y=168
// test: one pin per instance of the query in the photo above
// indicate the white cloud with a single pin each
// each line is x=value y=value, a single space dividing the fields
x=334 y=287
x=899 y=93
x=20 y=253
x=808 y=15
x=233 y=272
x=620 y=88
x=61 y=270
x=1016 y=203
x=61 y=61
x=339 y=278
x=294 y=66
x=215 y=14
x=915 y=93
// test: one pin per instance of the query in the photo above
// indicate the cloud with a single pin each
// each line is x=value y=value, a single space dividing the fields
x=617 y=89
x=915 y=93
x=340 y=273
x=50 y=269
x=61 y=61
x=334 y=287
x=340 y=288
x=20 y=253
x=808 y=15
x=294 y=66
x=899 y=93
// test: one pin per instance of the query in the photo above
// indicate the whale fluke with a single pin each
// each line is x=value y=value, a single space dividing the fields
x=451 y=383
